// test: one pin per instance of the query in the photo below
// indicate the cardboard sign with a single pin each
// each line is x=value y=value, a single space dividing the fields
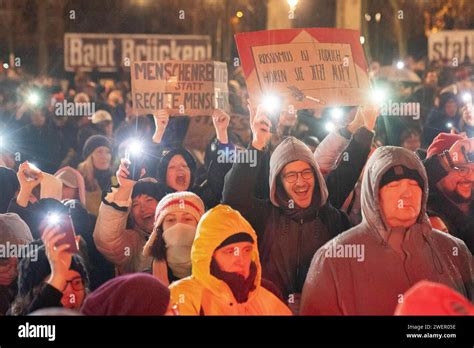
x=451 y=46
x=108 y=52
x=184 y=88
x=306 y=68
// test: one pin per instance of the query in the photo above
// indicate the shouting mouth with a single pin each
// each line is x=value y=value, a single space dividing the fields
x=181 y=179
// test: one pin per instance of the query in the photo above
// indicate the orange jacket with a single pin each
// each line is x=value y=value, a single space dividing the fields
x=204 y=293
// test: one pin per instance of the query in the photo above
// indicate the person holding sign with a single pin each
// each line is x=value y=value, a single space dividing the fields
x=177 y=167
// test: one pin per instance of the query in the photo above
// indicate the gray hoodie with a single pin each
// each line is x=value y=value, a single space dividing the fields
x=359 y=273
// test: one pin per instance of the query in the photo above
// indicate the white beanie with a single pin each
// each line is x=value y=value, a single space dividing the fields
x=183 y=201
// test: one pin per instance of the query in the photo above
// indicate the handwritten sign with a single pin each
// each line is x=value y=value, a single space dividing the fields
x=183 y=87
x=307 y=68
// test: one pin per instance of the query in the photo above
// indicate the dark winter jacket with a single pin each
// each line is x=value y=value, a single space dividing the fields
x=359 y=273
x=288 y=237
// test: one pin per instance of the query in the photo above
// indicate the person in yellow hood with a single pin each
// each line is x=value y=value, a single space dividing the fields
x=226 y=271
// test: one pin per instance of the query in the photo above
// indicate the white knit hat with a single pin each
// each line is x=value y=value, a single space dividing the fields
x=183 y=201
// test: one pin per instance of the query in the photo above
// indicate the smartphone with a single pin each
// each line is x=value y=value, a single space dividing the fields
x=136 y=163
x=64 y=221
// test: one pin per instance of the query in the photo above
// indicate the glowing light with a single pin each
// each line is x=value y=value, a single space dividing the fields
x=135 y=147
x=239 y=14
x=336 y=114
x=378 y=96
x=33 y=98
x=329 y=126
x=54 y=219
x=467 y=97
x=271 y=103
x=362 y=40
x=400 y=65
x=292 y=3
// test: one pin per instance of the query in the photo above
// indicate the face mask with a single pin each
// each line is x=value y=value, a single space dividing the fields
x=179 y=240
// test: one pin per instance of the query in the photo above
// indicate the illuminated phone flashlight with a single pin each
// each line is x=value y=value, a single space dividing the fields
x=400 y=65
x=336 y=114
x=33 y=98
x=378 y=96
x=271 y=103
x=135 y=148
x=54 y=218
x=329 y=126
x=467 y=98
x=449 y=125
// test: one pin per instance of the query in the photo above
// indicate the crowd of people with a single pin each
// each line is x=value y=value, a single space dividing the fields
x=372 y=217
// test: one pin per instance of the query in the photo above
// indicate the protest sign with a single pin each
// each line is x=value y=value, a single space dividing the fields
x=307 y=68
x=182 y=87
x=108 y=52
x=452 y=47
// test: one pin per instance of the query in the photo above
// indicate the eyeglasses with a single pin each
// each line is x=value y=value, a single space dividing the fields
x=76 y=283
x=463 y=171
x=291 y=177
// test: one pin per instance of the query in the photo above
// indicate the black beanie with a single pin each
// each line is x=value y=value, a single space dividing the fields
x=236 y=238
x=31 y=272
x=401 y=172
x=149 y=187
x=165 y=160
x=93 y=143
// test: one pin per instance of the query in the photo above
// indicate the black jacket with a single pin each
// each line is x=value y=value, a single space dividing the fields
x=288 y=238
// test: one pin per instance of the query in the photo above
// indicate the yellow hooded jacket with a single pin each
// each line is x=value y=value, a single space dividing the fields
x=202 y=293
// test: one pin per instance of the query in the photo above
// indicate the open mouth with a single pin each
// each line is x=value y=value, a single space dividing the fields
x=301 y=192
x=181 y=179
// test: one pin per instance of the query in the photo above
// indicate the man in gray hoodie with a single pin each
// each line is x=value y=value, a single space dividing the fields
x=367 y=269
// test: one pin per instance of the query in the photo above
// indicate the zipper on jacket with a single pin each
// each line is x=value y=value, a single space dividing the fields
x=298 y=248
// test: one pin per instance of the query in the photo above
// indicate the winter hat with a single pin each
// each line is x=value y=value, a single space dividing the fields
x=443 y=141
x=72 y=178
x=31 y=272
x=236 y=238
x=179 y=201
x=93 y=143
x=165 y=161
x=14 y=230
x=183 y=201
x=101 y=116
x=400 y=172
x=8 y=186
x=428 y=298
x=149 y=187
x=131 y=294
